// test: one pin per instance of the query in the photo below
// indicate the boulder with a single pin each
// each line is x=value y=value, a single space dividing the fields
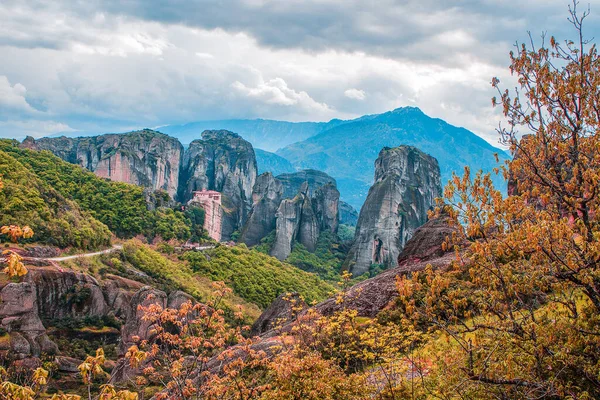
x=426 y=243
x=280 y=312
x=135 y=326
x=67 y=364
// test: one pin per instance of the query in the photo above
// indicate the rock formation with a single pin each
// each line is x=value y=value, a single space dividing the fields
x=224 y=162
x=280 y=312
x=407 y=181
x=426 y=243
x=289 y=215
x=53 y=294
x=266 y=198
x=326 y=203
x=301 y=217
x=293 y=181
x=147 y=158
x=376 y=294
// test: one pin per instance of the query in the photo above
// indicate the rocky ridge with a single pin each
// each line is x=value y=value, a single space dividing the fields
x=296 y=207
x=146 y=158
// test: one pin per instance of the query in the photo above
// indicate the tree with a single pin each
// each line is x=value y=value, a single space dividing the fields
x=14 y=262
x=521 y=304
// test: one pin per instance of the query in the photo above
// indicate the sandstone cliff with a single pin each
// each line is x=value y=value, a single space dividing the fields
x=147 y=158
x=224 y=162
x=266 y=198
x=297 y=206
x=407 y=181
x=293 y=181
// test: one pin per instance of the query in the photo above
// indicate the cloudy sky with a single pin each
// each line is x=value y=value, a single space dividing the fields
x=83 y=66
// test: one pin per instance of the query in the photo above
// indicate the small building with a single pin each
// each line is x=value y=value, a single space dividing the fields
x=210 y=201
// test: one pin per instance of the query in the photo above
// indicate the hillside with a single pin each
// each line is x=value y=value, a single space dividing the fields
x=56 y=220
x=120 y=206
x=271 y=162
x=348 y=152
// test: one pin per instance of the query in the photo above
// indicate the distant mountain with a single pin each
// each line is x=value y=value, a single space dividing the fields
x=263 y=133
x=347 y=151
x=271 y=162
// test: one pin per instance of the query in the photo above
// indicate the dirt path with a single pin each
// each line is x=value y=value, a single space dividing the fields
x=65 y=258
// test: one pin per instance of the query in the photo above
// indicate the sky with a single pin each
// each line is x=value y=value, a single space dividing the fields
x=83 y=66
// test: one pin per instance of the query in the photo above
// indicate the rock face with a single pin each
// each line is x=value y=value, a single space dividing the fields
x=326 y=203
x=50 y=293
x=280 y=312
x=288 y=218
x=266 y=198
x=407 y=181
x=224 y=162
x=302 y=219
x=147 y=158
x=292 y=182
x=426 y=243
x=301 y=216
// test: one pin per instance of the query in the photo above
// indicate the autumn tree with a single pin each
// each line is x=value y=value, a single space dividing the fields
x=520 y=307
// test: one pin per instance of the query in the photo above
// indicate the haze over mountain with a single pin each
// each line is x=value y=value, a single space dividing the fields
x=348 y=151
x=265 y=134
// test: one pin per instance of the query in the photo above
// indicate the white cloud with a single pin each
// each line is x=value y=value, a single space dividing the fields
x=12 y=97
x=207 y=56
x=110 y=65
x=276 y=91
x=355 y=94
x=35 y=128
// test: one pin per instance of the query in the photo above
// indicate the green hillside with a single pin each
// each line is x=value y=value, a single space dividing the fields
x=255 y=276
x=121 y=206
x=28 y=200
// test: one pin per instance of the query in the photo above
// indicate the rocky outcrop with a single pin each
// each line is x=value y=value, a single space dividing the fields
x=407 y=181
x=287 y=226
x=326 y=203
x=266 y=198
x=293 y=181
x=224 y=162
x=301 y=217
x=52 y=294
x=426 y=243
x=146 y=158
x=135 y=326
x=376 y=294
x=347 y=214
x=19 y=316
x=280 y=312
x=296 y=221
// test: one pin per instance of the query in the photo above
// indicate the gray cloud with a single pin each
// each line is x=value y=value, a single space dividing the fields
x=113 y=65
